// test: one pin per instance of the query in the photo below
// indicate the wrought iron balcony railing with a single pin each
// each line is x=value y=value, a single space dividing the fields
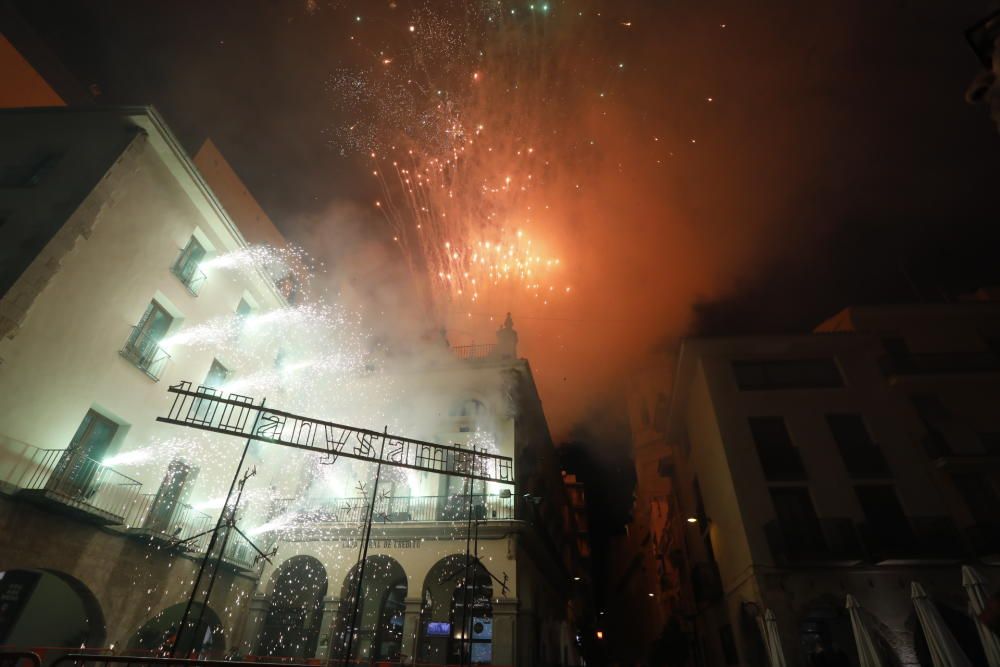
x=398 y=509
x=144 y=351
x=239 y=551
x=189 y=529
x=191 y=277
x=172 y=523
x=470 y=352
x=69 y=478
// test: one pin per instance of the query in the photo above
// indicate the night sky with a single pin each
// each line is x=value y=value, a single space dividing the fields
x=837 y=161
x=705 y=167
x=697 y=167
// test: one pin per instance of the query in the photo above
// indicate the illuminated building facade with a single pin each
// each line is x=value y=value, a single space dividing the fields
x=852 y=460
x=106 y=224
x=120 y=278
x=517 y=607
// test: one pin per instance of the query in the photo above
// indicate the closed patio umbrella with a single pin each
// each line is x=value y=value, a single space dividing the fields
x=772 y=641
x=868 y=655
x=975 y=587
x=944 y=649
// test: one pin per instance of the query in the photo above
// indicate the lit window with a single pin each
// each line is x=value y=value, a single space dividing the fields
x=186 y=266
x=143 y=345
x=217 y=375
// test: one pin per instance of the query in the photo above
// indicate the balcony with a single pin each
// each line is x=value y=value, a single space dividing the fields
x=985 y=541
x=947 y=363
x=865 y=462
x=145 y=353
x=67 y=480
x=167 y=523
x=832 y=541
x=474 y=352
x=239 y=552
x=408 y=509
x=924 y=539
x=190 y=276
x=188 y=530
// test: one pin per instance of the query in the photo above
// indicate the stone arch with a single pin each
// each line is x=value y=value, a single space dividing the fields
x=292 y=625
x=378 y=624
x=455 y=618
x=204 y=634
x=50 y=608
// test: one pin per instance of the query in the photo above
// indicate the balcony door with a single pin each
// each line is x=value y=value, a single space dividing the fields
x=884 y=514
x=797 y=517
x=453 y=501
x=78 y=471
x=144 y=343
x=189 y=259
x=155 y=322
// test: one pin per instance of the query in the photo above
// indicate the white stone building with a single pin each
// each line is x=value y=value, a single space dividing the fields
x=106 y=225
x=852 y=460
x=108 y=239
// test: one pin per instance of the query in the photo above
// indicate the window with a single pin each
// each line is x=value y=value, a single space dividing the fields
x=243 y=309
x=186 y=266
x=699 y=508
x=778 y=456
x=664 y=467
x=288 y=286
x=990 y=441
x=217 y=375
x=787 y=374
x=797 y=518
x=143 y=346
x=935 y=417
x=861 y=456
x=883 y=513
x=981 y=497
x=468 y=408
x=79 y=469
x=166 y=513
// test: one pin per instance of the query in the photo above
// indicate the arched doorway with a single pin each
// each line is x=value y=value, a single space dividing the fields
x=204 y=634
x=378 y=628
x=48 y=608
x=456 y=618
x=292 y=625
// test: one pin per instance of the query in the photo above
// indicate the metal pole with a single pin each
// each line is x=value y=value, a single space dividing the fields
x=465 y=582
x=215 y=535
x=364 y=556
x=231 y=525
